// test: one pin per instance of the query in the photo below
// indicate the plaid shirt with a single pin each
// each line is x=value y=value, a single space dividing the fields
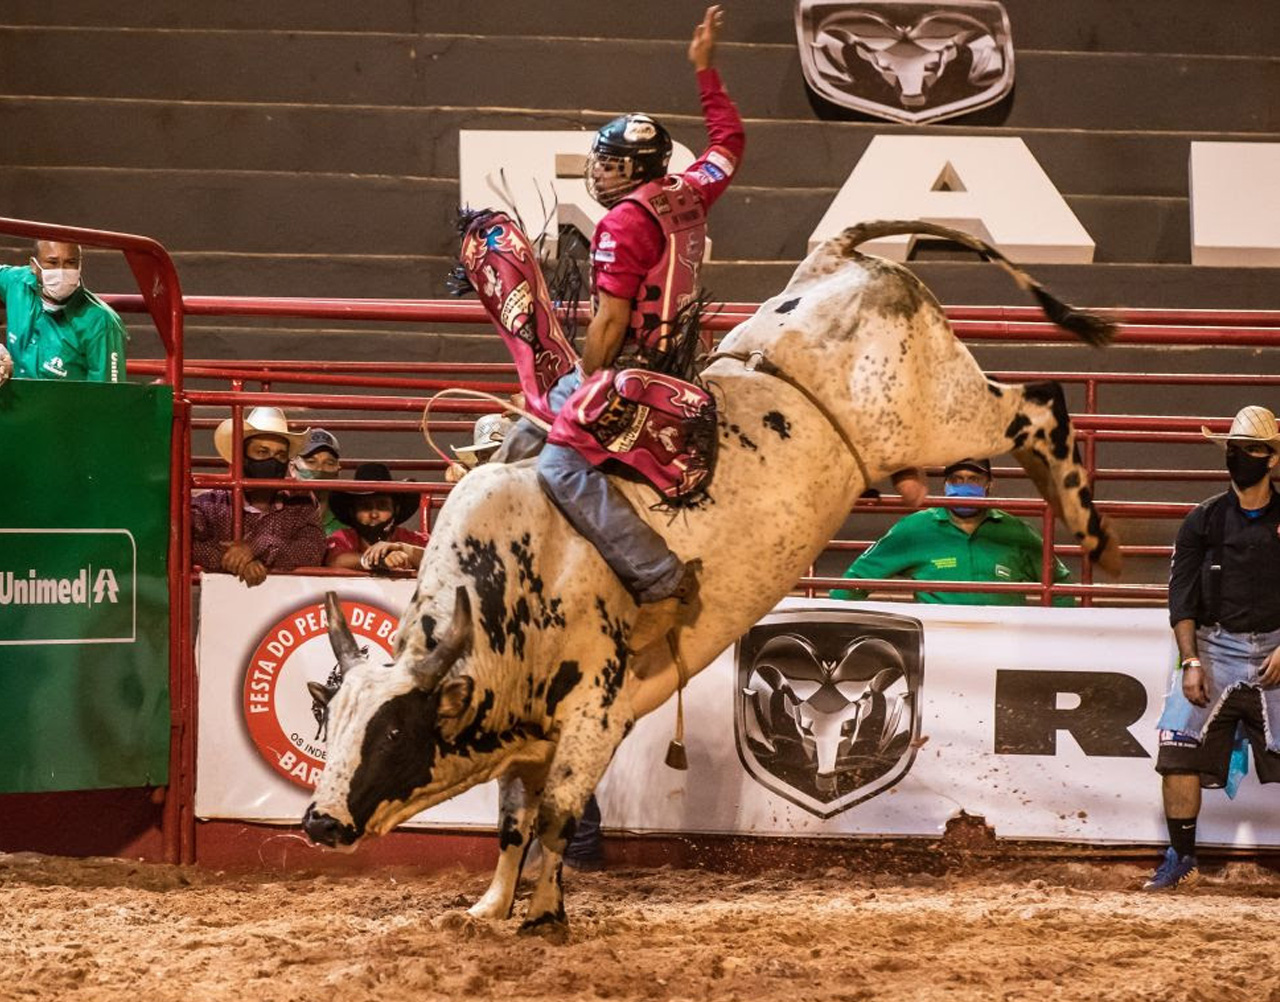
x=285 y=536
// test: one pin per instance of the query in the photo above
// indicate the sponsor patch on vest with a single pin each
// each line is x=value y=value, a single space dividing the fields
x=720 y=160
x=661 y=205
x=55 y=367
x=943 y=563
x=1001 y=571
x=712 y=171
x=604 y=256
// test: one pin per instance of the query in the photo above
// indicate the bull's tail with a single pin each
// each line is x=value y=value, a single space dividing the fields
x=1092 y=328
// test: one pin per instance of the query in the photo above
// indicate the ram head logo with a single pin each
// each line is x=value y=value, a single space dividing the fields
x=910 y=61
x=826 y=710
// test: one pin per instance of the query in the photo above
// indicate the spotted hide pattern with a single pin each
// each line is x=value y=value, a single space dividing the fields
x=513 y=662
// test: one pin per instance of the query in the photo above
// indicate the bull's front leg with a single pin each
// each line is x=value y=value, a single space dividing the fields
x=589 y=738
x=518 y=797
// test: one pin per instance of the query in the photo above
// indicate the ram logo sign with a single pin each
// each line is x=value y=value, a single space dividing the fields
x=827 y=704
x=910 y=61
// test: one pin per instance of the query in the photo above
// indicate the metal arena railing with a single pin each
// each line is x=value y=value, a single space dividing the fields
x=400 y=413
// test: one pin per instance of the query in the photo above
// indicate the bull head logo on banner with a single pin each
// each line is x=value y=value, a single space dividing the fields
x=826 y=709
x=910 y=61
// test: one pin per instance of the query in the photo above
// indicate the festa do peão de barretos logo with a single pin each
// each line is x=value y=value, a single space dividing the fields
x=282 y=717
x=908 y=61
x=827 y=704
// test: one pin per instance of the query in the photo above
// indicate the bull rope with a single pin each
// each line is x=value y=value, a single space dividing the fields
x=506 y=406
x=755 y=361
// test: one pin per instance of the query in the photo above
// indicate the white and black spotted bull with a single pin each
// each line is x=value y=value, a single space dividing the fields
x=512 y=659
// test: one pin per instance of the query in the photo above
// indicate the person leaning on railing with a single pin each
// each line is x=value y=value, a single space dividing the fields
x=374 y=539
x=56 y=328
x=280 y=529
x=958 y=544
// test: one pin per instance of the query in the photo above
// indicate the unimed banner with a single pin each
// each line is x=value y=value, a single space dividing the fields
x=826 y=719
x=84 y=594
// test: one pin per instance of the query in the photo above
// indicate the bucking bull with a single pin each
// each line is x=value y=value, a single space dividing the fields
x=512 y=660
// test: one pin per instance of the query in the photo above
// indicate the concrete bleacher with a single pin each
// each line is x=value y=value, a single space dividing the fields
x=310 y=149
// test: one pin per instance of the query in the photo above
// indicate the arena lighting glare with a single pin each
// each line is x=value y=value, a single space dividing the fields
x=909 y=61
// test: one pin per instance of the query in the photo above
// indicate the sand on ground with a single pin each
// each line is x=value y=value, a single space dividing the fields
x=108 y=929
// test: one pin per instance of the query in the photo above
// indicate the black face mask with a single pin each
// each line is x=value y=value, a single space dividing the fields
x=375 y=533
x=265 y=469
x=1246 y=470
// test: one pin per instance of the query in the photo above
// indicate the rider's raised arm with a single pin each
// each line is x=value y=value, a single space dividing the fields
x=712 y=172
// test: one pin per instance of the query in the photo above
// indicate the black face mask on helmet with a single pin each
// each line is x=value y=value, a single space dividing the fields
x=1246 y=470
x=626 y=152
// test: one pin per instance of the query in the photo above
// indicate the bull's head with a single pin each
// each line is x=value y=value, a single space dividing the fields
x=910 y=58
x=392 y=730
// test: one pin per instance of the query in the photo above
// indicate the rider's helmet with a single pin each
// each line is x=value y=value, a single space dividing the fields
x=627 y=152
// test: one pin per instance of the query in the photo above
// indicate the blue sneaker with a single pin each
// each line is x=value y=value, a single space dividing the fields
x=1174 y=873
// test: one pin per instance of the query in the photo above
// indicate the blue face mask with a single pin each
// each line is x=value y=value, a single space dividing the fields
x=964 y=491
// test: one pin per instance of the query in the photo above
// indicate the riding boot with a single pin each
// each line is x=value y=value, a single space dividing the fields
x=681 y=608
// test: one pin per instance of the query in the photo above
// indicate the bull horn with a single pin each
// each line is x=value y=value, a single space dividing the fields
x=456 y=642
x=343 y=643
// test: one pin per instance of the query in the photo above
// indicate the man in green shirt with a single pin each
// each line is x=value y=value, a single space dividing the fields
x=56 y=328
x=958 y=544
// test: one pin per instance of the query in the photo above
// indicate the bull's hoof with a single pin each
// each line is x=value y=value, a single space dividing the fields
x=550 y=926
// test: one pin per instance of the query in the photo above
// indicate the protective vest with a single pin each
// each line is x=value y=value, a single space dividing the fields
x=673 y=280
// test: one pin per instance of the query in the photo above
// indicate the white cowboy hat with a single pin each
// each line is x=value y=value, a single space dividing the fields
x=259 y=421
x=1251 y=424
x=489 y=431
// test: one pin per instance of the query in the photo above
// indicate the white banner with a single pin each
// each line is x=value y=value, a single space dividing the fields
x=828 y=718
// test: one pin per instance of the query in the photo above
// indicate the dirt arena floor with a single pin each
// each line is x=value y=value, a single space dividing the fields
x=105 y=929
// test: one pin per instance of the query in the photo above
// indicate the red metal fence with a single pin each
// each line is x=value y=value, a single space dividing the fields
x=399 y=413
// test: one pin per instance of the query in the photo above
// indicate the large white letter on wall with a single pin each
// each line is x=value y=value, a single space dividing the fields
x=1235 y=204
x=542 y=171
x=988 y=186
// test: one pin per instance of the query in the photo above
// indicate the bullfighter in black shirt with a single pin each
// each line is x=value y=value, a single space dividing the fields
x=1224 y=604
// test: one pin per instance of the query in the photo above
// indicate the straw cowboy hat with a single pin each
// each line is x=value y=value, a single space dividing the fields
x=1251 y=424
x=489 y=431
x=259 y=421
x=342 y=503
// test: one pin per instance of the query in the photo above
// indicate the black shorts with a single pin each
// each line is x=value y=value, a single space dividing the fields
x=1211 y=758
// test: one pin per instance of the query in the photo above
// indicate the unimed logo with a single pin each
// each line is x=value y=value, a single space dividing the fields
x=67 y=586
x=34 y=590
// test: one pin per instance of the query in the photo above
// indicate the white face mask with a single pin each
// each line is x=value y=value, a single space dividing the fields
x=59 y=283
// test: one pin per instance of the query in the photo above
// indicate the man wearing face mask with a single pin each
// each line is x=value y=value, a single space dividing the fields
x=280 y=529
x=56 y=328
x=1224 y=606
x=962 y=543
x=319 y=459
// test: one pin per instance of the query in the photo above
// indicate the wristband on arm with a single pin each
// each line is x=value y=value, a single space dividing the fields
x=1191 y=662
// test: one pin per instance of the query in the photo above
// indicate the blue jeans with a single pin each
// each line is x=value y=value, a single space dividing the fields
x=594 y=507
x=1230 y=660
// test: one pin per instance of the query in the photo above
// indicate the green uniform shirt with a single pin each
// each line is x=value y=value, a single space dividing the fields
x=82 y=341
x=928 y=546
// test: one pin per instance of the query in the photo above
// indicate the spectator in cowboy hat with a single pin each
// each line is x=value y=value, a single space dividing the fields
x=318 y=459
x=280 y=530
x=1224 y=607
x=958 y=544
x=488 y=434
x=374 y=538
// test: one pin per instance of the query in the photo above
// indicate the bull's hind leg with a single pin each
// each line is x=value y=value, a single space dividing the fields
x=518 y=798
x=1041 y=438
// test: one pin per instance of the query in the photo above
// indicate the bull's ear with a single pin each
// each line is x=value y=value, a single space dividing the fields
x=455 y=696
x=343 y=643
x=321 y=693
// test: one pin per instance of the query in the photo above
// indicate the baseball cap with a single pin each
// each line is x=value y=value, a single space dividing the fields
x=976 y=465
x=317 y=439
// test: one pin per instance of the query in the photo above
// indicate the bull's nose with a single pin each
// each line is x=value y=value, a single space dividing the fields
x=324 y=830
